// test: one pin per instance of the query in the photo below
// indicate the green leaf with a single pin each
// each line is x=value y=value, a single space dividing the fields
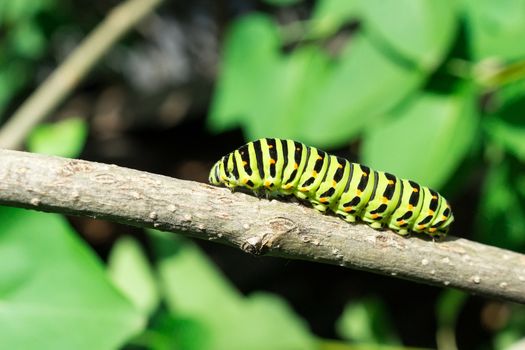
x=506 y=127
x=65 y=138
x=330 y=15
x=362 y=85
x=426 y=140
x=419 y=31
x=246 y=70
x=367 y=321
x=54 y=294
x=132 y=274
x=295 y=83
x=305 y=95
x=194 y=289
x=495 y=28
x=501 y=215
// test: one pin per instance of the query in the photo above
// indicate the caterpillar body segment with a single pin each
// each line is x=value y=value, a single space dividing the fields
x=352 y=191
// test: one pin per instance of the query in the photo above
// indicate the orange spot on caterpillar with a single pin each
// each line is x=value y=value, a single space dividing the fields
x=272 y=161
x=420 y=226
x=415 y=190
x=410 y=207
x=384 y=200
x=323 y=200
x=270 y=146
x=402 y=222
x=432 y=229
x=347 y=209
x=374 y=216
x=295 y=166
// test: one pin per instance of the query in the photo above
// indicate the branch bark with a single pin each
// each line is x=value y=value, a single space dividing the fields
x=257 y=226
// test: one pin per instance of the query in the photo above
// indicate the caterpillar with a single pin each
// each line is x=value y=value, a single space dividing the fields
x=350 y=190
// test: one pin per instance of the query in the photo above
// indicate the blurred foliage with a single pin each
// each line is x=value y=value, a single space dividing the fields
x=367 y=321
x=65 y=138
x=51 y=286
x=24 y=41
x=431 y=90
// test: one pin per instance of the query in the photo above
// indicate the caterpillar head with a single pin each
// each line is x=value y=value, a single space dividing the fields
x=214 y=177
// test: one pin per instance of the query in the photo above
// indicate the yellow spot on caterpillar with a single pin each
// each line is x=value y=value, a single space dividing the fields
x=348 y=209
x=432 y=229
x=384 y=200
x=434 y=197
x=245 y=181
x=314 y=173
x=287 y=186
x=390 y=182
x=365 y=174
x=272 y=161
x=270 y=146
x=323 y=200
x=244 y=163
x=430 y=212
x=319 y=158
x=303 y=189
x=295 y=166
x=297 y=149
x=410 y=207
x=374 y=216
x=340 y=166
x=267 y=183
x=420 y=226
x=334 y=183
x=402 y=222
x=444 y=217
x=415 y=190
x=358 y=192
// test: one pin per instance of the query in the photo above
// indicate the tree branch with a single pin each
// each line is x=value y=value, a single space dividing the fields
x=66 y=77
x=255 y=225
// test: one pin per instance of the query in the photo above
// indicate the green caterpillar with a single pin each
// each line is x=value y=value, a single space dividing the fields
x=352 y=191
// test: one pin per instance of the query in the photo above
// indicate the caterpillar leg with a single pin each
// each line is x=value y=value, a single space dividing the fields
x=402 y=232
x=320 y=207
x=347 y=217
x=375 y=225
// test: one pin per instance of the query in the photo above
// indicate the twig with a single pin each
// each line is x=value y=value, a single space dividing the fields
x=67 y=76
x=258 y=226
